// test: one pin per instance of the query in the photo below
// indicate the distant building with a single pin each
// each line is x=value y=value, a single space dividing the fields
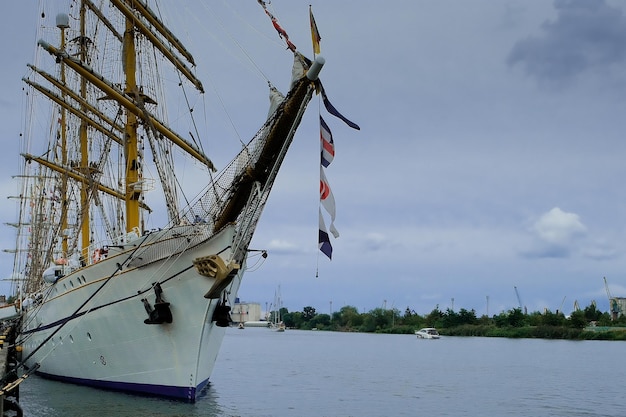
x=245 y=311
x=617 y=307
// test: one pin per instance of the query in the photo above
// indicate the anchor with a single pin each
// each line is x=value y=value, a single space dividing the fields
x=161 y=312
x=221 y=314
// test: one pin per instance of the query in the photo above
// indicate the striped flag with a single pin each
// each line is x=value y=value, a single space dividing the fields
x=328 y=201
x=324 y=241
x=315 y=34
x=326 y=143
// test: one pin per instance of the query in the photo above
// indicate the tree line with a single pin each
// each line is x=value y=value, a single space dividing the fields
x=587 y=323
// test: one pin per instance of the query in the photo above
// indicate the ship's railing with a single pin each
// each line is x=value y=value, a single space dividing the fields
x=100 y=251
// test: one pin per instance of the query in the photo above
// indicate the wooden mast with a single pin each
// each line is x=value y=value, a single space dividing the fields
x=132 y=101
x=85 y=231
x=133 y=170
x=62 y=22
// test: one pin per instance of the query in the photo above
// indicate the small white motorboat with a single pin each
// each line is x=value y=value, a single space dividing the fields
x=427 y=333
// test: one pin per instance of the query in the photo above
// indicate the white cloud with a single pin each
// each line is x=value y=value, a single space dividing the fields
x=559 y=227
x=556 y=234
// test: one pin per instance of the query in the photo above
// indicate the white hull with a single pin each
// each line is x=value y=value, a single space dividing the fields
x=427 y=333
x=256 y=324
x=106 y=343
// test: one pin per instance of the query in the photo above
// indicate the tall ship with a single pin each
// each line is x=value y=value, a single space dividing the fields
x=107 y=299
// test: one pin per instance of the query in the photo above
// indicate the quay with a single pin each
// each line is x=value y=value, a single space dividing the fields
x=10 y=386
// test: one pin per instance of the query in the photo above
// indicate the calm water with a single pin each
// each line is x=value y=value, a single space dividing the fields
x=307 y=373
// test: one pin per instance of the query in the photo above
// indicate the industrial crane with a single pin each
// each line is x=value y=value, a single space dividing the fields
x=519 y=300
x=560 y=310
x=613 y=306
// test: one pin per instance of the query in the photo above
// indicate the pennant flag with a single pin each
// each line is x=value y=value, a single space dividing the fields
x=324 y=241
x=281 y=32
x=328 y=201
x=315 y=35
x=326 y=144
x=332 y=110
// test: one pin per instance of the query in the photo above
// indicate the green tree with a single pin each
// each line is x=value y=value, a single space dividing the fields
x=515 y=317
x=349 y=317
x=591 y=313
x=501 y=320
x=382 y=318
x=411 y=318
x=293 y=320
x=534 y=319
x=433 y=317
x=604 y=319
x=308 y=313
x=449 y=319
x=320 y=321
x=467 y=317
x=553 y=319
x=578 y=320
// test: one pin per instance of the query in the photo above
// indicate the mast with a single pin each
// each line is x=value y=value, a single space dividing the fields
x=104 y=116
x=62 y=21
x=133 y=172
x=84 y=153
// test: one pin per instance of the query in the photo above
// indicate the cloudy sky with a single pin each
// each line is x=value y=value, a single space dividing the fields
x=490 y=156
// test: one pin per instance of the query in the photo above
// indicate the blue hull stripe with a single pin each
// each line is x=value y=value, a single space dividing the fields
x=179 y=393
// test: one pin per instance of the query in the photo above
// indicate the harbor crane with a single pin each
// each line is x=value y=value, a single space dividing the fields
x=560 y=310
x=613 y=306
x=519 y=300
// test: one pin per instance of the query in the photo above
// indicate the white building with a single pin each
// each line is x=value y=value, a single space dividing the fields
x=245 y=311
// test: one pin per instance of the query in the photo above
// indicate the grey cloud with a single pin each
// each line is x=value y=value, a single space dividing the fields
x=547 y=251
x=601 y=251
x=586 y=35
